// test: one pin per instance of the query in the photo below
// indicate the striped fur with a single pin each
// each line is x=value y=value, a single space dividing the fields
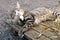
x=26 y=23
x=33 y=17
x=29 y=18
x=42 y=14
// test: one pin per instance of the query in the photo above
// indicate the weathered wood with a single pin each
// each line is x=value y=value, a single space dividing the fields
x=47 y=32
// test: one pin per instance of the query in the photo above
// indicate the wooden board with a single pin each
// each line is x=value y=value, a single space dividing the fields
x=45 y=30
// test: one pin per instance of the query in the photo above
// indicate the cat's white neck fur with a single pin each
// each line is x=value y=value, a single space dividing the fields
x=20 y=14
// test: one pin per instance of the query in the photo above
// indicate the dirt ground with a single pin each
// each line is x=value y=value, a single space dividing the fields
x=6 y=5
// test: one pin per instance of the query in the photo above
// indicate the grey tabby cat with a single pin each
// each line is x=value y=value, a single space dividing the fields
x=24 y=19
x=27 y=19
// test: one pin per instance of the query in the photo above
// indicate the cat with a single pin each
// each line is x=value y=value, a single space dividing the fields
x=27 y=19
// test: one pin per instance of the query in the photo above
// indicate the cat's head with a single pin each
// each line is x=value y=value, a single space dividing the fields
x=19 y=12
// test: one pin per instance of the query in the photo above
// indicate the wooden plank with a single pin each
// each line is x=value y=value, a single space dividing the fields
x=46 y=35
x=32 y=34
x=43 y=38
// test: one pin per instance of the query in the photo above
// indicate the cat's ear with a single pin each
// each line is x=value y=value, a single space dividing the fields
x=18 y=9
x=17 y=5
